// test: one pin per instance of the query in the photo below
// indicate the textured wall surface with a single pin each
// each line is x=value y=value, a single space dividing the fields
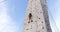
x=36 y=19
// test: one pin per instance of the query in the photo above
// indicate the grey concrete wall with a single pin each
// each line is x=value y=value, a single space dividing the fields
x=45 y=13
x=35 y=18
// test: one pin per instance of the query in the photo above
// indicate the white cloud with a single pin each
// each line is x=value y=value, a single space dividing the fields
x=6 y=22
x=1 y=0
x=57 y=16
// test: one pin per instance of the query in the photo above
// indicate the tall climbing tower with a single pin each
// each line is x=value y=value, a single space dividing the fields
x=37 y=19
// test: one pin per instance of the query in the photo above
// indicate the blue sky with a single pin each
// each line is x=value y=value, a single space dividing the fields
x=15 y=13
x=19 y=7
x=54 y=9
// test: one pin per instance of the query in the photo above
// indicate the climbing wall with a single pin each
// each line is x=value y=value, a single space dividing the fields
x=36 y=19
